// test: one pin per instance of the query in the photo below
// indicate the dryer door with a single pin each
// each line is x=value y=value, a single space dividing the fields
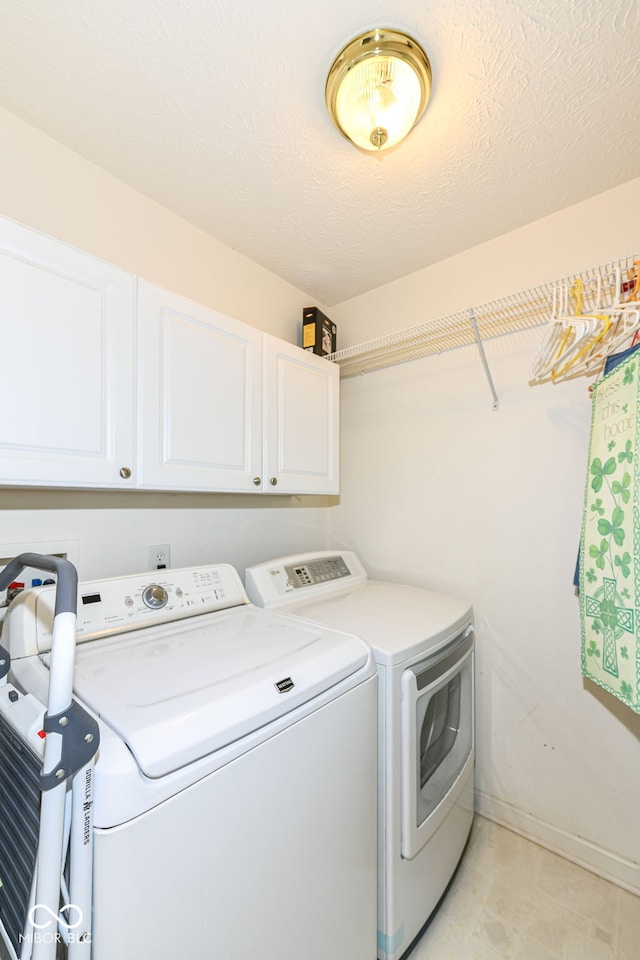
x=437 y=738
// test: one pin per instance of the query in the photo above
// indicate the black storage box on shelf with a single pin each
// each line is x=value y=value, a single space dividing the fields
x=318 y=332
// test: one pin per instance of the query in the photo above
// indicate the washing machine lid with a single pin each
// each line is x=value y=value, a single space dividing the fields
x=399 y=621
x=177 y=692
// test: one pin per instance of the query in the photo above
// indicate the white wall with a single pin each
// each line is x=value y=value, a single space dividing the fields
x=439 y=489
x=109 y=533
x=48 y=187
x=581 y=236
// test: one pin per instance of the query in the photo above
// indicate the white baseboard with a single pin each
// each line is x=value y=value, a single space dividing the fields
x=611 y=866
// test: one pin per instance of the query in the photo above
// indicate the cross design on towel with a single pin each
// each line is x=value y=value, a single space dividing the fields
x=606 y=605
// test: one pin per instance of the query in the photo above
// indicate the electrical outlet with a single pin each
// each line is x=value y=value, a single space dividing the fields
x=159 y=556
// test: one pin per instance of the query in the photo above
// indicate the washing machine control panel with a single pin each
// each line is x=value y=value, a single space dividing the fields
x=128 y=603
x=290 y=578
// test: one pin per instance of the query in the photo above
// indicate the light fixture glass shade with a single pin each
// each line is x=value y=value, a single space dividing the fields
x=378 y=88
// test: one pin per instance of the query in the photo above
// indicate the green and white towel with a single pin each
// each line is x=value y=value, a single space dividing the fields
x=610 y=546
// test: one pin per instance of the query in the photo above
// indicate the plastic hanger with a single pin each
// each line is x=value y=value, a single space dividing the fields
x=556 y=337
x=578 y=338
x=596 y=326
x=570 y=336
x=625 y=326
x=586 y=350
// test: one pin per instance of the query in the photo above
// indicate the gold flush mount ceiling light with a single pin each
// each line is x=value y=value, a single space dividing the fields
x=378 y=88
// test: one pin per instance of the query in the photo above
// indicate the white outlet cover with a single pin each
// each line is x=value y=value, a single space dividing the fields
x=155 y=551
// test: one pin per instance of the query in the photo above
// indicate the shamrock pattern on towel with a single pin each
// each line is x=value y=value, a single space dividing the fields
x=611 y=576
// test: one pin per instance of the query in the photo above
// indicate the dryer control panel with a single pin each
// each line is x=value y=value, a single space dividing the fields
x=311 y=572
x=290 y=578
x=112 y=606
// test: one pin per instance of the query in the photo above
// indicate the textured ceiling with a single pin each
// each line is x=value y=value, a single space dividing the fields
x=215 y=108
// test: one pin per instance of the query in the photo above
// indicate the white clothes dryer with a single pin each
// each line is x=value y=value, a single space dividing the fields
x=423 y=643
x=235 y=808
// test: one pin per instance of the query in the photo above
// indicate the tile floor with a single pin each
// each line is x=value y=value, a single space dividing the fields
x=514 y=900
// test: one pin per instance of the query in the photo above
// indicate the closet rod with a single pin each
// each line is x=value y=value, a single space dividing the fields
x=511 y=314
x=495 y=405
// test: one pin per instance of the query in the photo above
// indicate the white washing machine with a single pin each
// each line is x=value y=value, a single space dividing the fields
x=424 y=646
x=235 y=809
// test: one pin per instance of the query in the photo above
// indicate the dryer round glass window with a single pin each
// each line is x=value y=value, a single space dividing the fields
x=440 y=728
x=438 y=737
x=443 y=732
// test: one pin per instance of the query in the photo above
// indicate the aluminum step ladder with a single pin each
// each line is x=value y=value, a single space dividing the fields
x=47 y=761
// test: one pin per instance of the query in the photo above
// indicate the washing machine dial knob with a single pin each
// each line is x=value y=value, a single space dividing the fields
x=154 y=596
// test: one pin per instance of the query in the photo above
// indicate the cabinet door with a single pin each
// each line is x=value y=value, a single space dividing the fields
x=199 y=396
x=66 y=390
x=302 y=418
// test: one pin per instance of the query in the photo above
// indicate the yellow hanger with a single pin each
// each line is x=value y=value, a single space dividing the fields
x=606 y=319
x=636 y=290
x=556 y=337
x=598 y=324
x=577 y=343
x=575 y=293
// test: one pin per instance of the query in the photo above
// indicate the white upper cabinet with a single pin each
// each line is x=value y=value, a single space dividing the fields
x=165 y=394
x=199 y=396
x=301 y=420
x=223 y=407
x=66 y=388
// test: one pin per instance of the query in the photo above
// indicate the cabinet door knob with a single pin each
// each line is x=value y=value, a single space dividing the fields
x=274 y=481
x=125 y=472
x=257 y=481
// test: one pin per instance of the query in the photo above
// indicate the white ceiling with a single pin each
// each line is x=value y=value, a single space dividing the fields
x=215 y=108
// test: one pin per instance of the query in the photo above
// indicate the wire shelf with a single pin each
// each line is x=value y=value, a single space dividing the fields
x=511 y=314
